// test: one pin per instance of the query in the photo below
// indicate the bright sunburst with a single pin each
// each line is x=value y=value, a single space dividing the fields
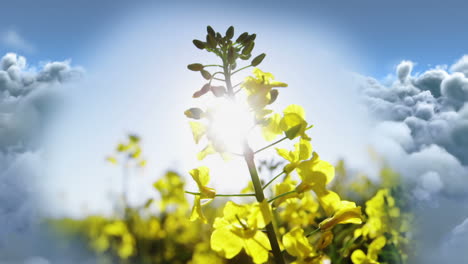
x=230 y=123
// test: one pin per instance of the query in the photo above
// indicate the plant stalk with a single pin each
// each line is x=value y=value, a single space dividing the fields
x=249 y=159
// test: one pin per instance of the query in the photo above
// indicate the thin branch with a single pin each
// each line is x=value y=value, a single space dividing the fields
x=281 y=195
x=313 y=232
x=224 y=195
x=243 y=68
x=236 y=154
x=212 y=65
x=272 y=180
x=272 y=144
x=271 y=233
x=237 y=85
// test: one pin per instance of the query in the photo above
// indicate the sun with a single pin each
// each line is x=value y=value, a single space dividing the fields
x=230 y=123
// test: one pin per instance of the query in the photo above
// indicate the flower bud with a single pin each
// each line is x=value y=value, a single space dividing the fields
x=195 y=67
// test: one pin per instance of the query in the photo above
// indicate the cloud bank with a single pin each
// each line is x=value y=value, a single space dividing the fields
x=28 y=97
x=421 y=129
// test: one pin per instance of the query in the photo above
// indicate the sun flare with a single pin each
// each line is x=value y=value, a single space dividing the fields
x=231 y=122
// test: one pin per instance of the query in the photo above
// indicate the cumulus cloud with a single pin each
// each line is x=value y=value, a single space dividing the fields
x=423 y=120
x=430 y=81
x=404 y=70
x=27 y=97
x=12 y=39
x=461 y=65
x=422 y=131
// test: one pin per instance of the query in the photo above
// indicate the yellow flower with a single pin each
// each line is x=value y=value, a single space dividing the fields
x=203 y=255
x=126 y=241
x=359 y=257
x=297 y=245
x=293 y=122
x=131 y=150
x=171 y=188
x=339 y=211
x=259 y=88
x=346 y=213
x=282 y=188
x=384 y=217
x=239 y=228
x=325 y=239
x=315 y=174
x=300 y=212
x=201 y=176
x=198 y=130
x=302 y=151
x=271 y=128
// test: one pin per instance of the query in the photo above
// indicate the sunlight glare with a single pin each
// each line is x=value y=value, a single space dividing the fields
x=231 y=122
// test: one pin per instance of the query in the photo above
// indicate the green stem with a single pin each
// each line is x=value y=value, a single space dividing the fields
x=272 y=180
x=125 y=175
x=272 y=144
x=243 y=68
x=249 y=159
x=281 y=195
x=224 y=195
x=313 y=232
x=212 y=65
x=237 y=85
x=227 y=76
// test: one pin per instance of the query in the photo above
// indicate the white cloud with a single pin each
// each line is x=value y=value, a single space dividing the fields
x=27 y=98
x=12 y=39
x=461 y=65
x=404 y=70
x=422 y=131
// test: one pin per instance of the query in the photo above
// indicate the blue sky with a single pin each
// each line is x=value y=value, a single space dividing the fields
x=134 y=58
x=112 y=40
x=382 y=32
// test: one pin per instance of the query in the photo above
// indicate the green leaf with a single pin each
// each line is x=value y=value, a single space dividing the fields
x=195 y=67
x=257 y=60
x=230 y=32
x=199 y=44
x=293 y=131
x=206 y=74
